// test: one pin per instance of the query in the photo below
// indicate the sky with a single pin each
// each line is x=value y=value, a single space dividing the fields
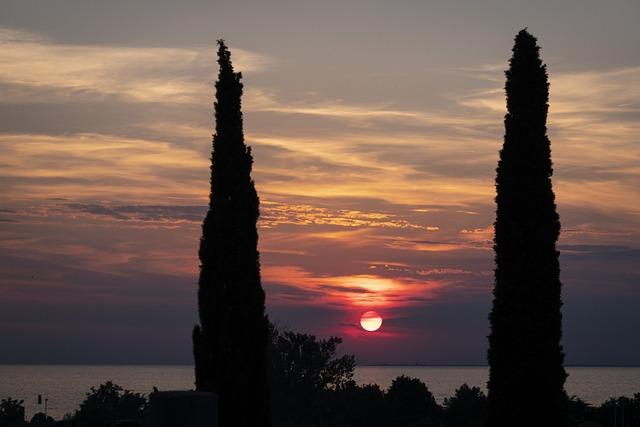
x=375 y=128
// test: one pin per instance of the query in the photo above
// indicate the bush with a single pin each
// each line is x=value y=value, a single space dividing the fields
x=303 y=370
x=11 y=413
x=354 y=405
x=579 y=411
x=41 y=420
x=410 y=403
x=108 y=403
x=467 y=408
x=625 y=411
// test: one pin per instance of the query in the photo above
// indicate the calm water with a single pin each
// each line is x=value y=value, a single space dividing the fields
x=65 y=386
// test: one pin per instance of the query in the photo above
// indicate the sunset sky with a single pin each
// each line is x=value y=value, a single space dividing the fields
x=375 y=127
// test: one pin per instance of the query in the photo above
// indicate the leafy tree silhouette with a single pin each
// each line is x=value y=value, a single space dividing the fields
x=466 y=408
x=579 y=411
x=526 y=381
x=107 y=403
x=11 y=412
x=410 y=403
x=619 y=412
x=41 y=420
x=304 y=371
x=355 y=405
x=230 y=344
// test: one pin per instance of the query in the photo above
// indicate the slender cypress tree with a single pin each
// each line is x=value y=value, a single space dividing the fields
x=230 y=344
x=526 y=380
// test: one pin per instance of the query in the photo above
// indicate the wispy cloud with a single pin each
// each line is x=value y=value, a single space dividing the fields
x=98 y=167
x=273 y=214
x=594 y=120
x=143 y=74
x=266 y=101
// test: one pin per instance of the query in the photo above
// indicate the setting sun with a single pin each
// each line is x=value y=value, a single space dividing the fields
x=371 y=321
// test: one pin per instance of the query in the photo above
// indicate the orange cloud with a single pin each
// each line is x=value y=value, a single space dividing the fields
x=358 y=290
x=98 y=167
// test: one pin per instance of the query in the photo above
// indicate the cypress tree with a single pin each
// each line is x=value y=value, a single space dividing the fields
x=230 y=344
x=526 y=380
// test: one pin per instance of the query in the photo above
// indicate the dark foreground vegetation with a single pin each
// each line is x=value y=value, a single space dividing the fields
x=312 y=385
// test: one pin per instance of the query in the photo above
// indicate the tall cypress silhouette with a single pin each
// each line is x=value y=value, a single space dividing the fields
x=230 y=344
x=526 y=381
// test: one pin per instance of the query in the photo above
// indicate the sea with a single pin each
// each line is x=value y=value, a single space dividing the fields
x=64 y=386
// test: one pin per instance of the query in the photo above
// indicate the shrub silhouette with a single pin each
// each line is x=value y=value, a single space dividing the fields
x=410 y=403
x=579 y=411
x=303 y=369
x=619 y=412
x=357 y=406
x=466 y=408
x=41 y=420
x=107 y=403
x=11 y=412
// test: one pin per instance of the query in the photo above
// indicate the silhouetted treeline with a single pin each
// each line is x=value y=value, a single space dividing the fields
x=313 y=386
x=108 y=403
x=525 y=356
x=408 y=402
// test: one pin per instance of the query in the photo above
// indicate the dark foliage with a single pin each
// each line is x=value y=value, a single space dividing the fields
x=109 y=403
x=526 y=381
x=579 y=411
x=410 y=403
x=341 y=403
x=303 y=370
x=41 y=420
x=619 y=412
x=357 y=406
x=230 y=344
x=312 y=386
x=467 y=408
x=615 y=412
x=11 y=412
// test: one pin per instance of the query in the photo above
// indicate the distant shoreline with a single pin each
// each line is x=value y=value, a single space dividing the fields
x=66 y=385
